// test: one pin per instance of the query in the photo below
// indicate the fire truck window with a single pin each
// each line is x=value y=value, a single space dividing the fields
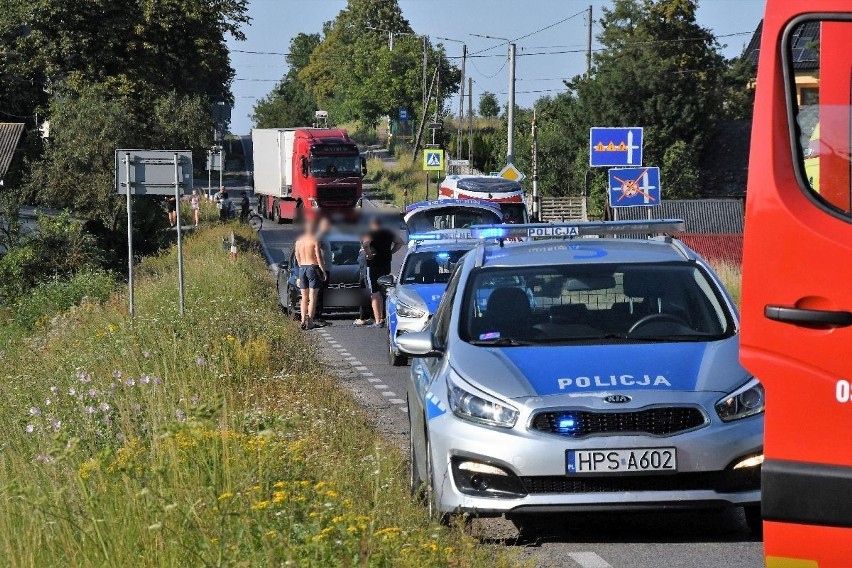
x=819 y=64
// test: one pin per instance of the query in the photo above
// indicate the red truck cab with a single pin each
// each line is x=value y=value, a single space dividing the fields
x=307 y=172
x=797 y=268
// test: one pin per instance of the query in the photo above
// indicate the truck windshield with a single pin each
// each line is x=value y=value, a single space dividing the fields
x=329 y=166
x=593 y=304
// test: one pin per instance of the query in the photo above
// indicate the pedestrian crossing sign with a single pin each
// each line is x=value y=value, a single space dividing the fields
x=433 y=160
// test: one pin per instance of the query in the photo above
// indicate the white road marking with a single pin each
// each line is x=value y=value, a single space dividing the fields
x=404 y=409
x=359 y=367
x=589 y=560
x=396 y=401
x=381 y=387
x=388 y=393
x=372 y=380
x=367 y=374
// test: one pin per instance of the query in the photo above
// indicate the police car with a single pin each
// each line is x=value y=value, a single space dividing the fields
x=413 y=297
x=598 y=373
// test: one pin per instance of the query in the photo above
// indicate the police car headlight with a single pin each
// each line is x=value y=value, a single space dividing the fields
x=748 y=400
x=477 y=408
x=403 y=310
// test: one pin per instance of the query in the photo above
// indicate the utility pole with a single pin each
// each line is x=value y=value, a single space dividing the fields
x=425 y=68
x=510 y=153
x=423 y=117
x=470 y=120
x=535 y=213
x=390 y=41
x=461 y=103
x=589 y=47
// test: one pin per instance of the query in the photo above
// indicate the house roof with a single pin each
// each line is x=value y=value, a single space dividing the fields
x=700 y=216
x=804 y=43
x=10 y=136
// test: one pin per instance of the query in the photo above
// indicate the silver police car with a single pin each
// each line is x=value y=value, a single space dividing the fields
x=583 y=374
x=413 y=297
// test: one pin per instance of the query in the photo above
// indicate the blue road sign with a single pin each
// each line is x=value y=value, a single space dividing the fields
x=615 y=147
x=403 y=115
x=634 y=187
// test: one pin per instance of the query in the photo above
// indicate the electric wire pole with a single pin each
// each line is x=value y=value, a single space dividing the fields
x=470 y=120
x=461 y=104
x=510 y=146
x=589 y=47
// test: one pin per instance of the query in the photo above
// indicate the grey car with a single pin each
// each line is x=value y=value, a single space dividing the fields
x=583 y=374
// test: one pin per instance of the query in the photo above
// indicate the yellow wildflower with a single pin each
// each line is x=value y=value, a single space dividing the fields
x=313 y=514
x=279 y=496
x=279 y=484
x=259 y=505
x=320 y=485
x=226 y=495
x=271 y=533
x=331 y=494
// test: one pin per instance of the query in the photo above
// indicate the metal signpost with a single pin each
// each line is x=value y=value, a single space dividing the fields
x=634 y=187
x=614 y=147
x=433 y=161
x=153 y=172
x=215 y=162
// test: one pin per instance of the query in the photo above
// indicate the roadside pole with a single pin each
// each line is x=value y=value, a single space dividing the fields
x=209 y=173
x=129 y=236
x=470 y=120
x=535 y=168
x=179 y=232
x=510 y=153
x=221 y=165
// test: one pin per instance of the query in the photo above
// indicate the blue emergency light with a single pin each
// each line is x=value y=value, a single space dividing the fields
x=580 y=229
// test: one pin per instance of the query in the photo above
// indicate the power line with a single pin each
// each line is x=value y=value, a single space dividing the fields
x=553 y=25
x=492 y=75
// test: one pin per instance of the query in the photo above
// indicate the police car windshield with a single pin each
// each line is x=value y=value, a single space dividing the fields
x=430 y=267
x=451 y=218
x=593 y=303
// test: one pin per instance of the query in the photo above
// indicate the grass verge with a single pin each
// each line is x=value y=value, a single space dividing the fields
x=213 y=439
x=403 y=184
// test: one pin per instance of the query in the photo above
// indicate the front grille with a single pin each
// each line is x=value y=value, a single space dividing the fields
x=337 y=194
x=728 y=481
x=655 y=421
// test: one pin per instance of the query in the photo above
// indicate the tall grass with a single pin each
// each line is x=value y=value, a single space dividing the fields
x=403 y=184
x=212 y=439
x=731 y=276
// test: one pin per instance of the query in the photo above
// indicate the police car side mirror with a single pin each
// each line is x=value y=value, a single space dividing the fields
x=419 y=344
x=386 y=281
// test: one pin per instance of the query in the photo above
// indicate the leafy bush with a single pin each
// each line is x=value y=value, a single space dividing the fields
x=60 y=248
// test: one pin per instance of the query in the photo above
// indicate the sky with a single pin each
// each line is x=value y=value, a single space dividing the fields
x=275 y=22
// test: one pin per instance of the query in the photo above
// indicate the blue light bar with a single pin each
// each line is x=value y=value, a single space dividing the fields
x=443 y=255
x=443 y=235
x=452 y=203
x=579 y=229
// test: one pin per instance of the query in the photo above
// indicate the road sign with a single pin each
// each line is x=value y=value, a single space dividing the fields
x=511 y=173
x=403 y=115
x=152 y=172
x=615 y=147
x=461 y=163
x=433 y=160
x=634 y=187
x=214 y=162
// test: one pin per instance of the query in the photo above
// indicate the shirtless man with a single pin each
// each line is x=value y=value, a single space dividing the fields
x=312 y=272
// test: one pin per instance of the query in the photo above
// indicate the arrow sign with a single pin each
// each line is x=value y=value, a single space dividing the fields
x=634 y=187
x=615 y=147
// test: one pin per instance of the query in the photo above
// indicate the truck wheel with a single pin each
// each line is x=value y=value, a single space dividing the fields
x=276 y=213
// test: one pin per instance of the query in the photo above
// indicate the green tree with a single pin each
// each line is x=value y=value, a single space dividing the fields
x=738 y=94
x=290 y=103
x=354 y=74
x=679 y=172
x=489 y=107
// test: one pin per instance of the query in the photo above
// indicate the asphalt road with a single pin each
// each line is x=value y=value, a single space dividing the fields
x=702 y=539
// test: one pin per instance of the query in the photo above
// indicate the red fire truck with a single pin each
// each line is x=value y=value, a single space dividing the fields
x=797 y=269
x=304 y=172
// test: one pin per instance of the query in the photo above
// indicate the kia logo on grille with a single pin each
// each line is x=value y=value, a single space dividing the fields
x=617 y=398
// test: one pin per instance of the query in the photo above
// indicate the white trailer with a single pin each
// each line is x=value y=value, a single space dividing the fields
x=273 y=160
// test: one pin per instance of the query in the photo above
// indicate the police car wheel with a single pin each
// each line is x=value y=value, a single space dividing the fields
x=393 y=358
x=754 y=519
x=414 y=480
x=292 y=309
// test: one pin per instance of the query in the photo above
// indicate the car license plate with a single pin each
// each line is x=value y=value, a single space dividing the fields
x=620 y=461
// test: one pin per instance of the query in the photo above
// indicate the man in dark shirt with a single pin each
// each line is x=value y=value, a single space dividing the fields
x=380 y=246
x=245 y=207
